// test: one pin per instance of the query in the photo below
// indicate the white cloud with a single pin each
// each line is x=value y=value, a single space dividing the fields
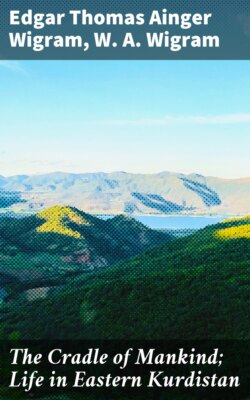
x=13 y=66
x=179 y=119
x=10 y=166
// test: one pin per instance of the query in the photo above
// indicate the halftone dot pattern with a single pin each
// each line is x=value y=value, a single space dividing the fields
x=228 y=23
x=68 y=274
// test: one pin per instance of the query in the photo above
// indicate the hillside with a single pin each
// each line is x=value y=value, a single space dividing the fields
x=121 y=192
x=194 y=287
x=63 y=240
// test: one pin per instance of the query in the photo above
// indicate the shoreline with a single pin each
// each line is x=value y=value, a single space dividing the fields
x=112 y=215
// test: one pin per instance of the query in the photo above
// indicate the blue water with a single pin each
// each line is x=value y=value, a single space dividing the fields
x=175 y=222
x=181 y=222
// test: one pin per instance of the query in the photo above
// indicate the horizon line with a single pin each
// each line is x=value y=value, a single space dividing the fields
x=123 y=172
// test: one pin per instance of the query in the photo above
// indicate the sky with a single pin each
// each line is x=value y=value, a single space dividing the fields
x=141 y=117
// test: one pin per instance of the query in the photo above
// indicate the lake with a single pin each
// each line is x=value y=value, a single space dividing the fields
x=174 y=222
x=178 y=222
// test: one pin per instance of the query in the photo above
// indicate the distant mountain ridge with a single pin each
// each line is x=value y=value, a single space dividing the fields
x=120 y=192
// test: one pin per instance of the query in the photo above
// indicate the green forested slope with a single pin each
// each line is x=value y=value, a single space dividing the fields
x=195 y=287
x=62 y=240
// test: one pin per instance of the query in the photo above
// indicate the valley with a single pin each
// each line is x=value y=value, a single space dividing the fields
x=46 y=249
x=152 y=286
x=68 y=275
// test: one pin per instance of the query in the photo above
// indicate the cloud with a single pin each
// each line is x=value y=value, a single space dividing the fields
x=13 y=66
x=178 y=119
x=11 y=166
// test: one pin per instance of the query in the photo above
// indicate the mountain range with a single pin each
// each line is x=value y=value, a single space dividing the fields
x=120 y=192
